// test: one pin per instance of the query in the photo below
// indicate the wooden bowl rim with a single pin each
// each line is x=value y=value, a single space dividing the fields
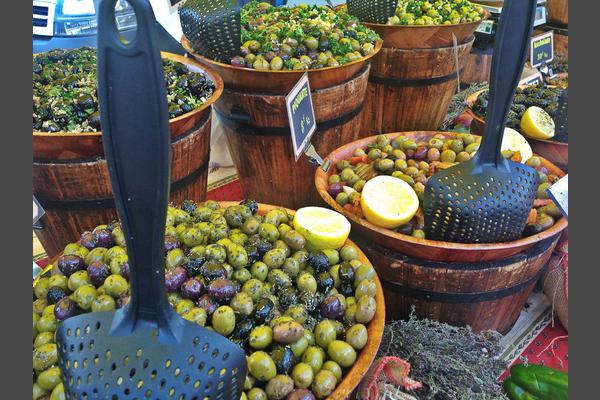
x=188 y=47
x=320 y=179
x=472 y=98
x=375 y=327
x=187 y=61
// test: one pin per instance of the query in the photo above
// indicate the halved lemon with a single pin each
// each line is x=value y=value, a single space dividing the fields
x=537 y=123
x=513 y=140
x=321 y=227
x=388 y=202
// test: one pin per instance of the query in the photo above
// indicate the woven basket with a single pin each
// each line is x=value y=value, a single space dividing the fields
x=556 y=282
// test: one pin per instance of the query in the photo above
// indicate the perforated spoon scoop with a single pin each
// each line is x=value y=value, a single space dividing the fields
x=213 y=27
x=487 y=199
x=143 y=350
x=373 y=11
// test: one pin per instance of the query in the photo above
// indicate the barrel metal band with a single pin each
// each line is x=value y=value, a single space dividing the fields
x=105 y=203
x=413 y=82
x=249 y=129
x=456 y=298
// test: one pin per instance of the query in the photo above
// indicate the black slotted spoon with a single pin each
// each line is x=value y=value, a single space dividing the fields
x=213 y=27
x=143 y=350
x=373 y=11
x=487 y=199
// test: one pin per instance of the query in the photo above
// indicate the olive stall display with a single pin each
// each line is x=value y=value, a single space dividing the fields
x=438 y=12
x=300 y=37
x=279 y=46
x=414 y=163
x=301 y=315
x=70 y=173
x=65 y=97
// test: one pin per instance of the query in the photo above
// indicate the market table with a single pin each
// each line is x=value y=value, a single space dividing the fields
x=536 y=336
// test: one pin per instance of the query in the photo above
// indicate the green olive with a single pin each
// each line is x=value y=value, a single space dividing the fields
x=237 y=256
x=223 y=320
x=45 y=356
x=334 y=367
x=76 y=249
x=76 y=280
x=342 y=353
x=41 y=288
x=299 y=346
x=58 y=393
x=59 y=281
x=254 y=288
x=85 y=296
x=542 y=190
x=294 y=239
x=303 y=375
x=184 y=306
x=241 y=275
x=274 y=258
x=196 y=315
x=325 y=333
x=96 y=254
x=348 y=252
x=341 y=198
x=259 y=270
x=261 y=366
x=35 y=319
x=279 y=387
x=314 y=356
x=365 y=311
x=103 y=303
x=366 y=287
x=323 y=384
x=268 y=231
x=38 y=392
x=260 y=337
x=306 y=282
x=357 y=336
x=49 y=378
x=448 y=156
x=43 y=338
x=335 y=178
x=116 y=285
x=174 y=258
x=257 y=394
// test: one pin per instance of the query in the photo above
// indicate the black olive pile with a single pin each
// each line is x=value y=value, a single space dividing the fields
x=65 y=97
x=300 y=316
x=540 y=96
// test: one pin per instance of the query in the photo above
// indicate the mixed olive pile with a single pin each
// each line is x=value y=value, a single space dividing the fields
x=547 y=98
x=65 y=97
x=300 y=37
x=414 y=162
x=300 y=316
x=439 y=12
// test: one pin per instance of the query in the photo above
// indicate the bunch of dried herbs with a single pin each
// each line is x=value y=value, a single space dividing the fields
x=452 y=363
x=457 y=104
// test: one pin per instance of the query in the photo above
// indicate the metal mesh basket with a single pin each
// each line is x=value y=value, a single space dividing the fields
x=373 y=11
x=212 y=27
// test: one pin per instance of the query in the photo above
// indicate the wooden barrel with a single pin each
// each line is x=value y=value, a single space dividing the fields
x=484 y=295
x=558 y=12
x=71 y=180
x=411 y=89
x=477 y=68
x=257 y=130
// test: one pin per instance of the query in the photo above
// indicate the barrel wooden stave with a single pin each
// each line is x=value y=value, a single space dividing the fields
x=407 y=280
x=478 y=68
x=265 y=160
x=418 y=91
x=558 y=12
x=87 y=180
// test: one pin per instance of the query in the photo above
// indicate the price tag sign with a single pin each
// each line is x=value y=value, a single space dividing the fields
x=559 y=192
x=485 y=27
x=534 y=79
x=38 y=211
x=301 y=115
x=542 y=49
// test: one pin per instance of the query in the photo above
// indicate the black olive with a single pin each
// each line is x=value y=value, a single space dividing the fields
x=332 y=308
x=212 y=270
x=193 y=266
x=65 y=308
x=284 y=359
x=287 y=296
x=171 y=242
x=55 y=294
x=222 y=290
x=253 y=254
x=263 y=309
x=319 y=262
x=251 y=203
x=94 y=120
x=208 y=304
x=263 y=247
x=346 y=273
x=70 y=263
x=346 y=289
x=189 y=206
x=324 y=282
x=310 y=300
x=243 y=328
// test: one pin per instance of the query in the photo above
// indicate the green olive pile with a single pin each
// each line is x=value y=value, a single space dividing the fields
x=439 y=12
x=300 y=316
x=414 y=162
x=301 y=37
x=65 y=97
x=544 y=97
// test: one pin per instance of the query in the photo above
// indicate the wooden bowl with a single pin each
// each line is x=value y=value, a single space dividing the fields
x=366 y=356
x=72 y=146
x=253 y=80
x=424 y=36
x=553 y=151
x=424 y=248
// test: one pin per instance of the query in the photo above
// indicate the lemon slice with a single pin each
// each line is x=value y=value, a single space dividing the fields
x=322 y=228
x=537 y=123
x=513 y=140
x=388 y=202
